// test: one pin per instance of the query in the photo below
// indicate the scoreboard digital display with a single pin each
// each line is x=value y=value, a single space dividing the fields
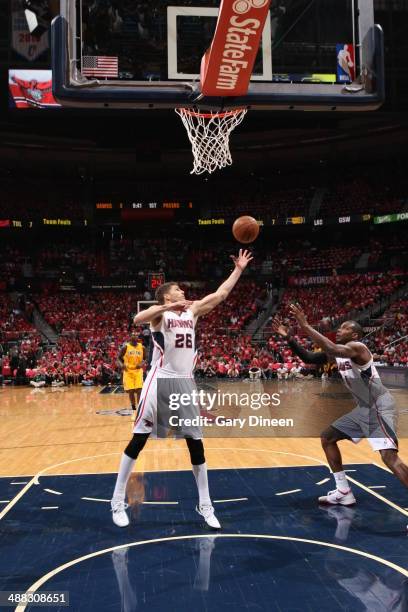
x=155 y=280
x=167 y=205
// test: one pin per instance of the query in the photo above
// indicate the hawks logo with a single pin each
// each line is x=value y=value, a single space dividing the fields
x=29 y=92
x=36 y=94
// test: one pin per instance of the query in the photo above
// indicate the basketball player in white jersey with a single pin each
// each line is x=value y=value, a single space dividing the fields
x=172 y=325
x=374 y=416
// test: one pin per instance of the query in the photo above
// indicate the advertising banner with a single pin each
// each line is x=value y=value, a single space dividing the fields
x=31 y=89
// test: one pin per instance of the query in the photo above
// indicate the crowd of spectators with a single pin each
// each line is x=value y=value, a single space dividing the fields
x=305 y=257
x=15 y=319
x=236 y=356
x=131 y=258
x=50 y=261
x=75 y=362
x=46 y=200
x=360 y=196
x=89 y=315
x=389 y=343
x=341 y=295
x=93 y=326
x=79 y=262
x=267 y=203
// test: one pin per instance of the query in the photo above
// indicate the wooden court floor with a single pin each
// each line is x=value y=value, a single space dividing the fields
x=62 y=431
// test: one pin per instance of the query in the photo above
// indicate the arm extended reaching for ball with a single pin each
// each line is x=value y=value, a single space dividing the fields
x=209 y=302
x=356 y=351
x=317 y=358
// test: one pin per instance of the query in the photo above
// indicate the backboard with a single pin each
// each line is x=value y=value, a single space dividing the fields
x=313 y=55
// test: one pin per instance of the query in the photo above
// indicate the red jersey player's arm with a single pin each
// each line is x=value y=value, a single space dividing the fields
x=209 y=302
x=356 y=351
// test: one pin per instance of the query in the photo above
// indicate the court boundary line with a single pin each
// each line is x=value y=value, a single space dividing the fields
x=247 y=467
x=43 y=579
x=382 y=467
x=385 y=500
x=35 y=479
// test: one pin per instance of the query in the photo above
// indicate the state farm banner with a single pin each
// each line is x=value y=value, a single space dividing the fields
x=31 y=89
x=227 y=65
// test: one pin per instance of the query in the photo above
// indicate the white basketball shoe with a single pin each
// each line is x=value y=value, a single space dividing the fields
x=119 y=516
x=207 y=512
x=338 y=497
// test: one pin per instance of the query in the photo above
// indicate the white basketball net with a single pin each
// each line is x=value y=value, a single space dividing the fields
x=209 y=135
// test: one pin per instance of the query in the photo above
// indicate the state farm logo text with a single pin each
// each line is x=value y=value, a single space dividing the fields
x=243 y=6
x=237 y=47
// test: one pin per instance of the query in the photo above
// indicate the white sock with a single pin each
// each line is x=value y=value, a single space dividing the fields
x=200 y=473
x=125 y=470
x=341 y=481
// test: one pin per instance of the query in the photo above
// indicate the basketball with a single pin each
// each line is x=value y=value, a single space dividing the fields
x=245 y=229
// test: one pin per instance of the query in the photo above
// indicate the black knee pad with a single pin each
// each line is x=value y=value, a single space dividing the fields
x=136 y=445
x=196 y=449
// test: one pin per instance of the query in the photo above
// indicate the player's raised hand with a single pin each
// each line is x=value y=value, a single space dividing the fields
x=299 y=315
x=279 y=328
x=243 y=259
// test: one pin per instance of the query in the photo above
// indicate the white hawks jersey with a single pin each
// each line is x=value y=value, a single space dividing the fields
x=174 y=344
x=363 y=382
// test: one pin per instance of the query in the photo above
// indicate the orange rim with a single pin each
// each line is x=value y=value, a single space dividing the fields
x=187 y=111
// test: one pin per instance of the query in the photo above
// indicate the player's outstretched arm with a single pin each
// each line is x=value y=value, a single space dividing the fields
x=351 y=350
x=318 y=358
x=209 y=302
x=154 y=313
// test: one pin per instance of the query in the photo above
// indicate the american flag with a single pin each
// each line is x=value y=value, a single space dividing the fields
x=100 y=66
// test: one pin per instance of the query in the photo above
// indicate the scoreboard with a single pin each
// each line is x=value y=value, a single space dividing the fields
x=139 y=205
x=155 y=280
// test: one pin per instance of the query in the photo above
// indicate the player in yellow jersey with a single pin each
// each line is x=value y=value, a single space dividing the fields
x=130 y=361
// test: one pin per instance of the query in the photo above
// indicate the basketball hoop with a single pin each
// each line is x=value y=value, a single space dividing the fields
x=209 y=135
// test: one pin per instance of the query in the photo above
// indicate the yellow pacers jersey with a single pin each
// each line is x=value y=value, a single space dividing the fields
x=133 y=356
x=132 y=375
